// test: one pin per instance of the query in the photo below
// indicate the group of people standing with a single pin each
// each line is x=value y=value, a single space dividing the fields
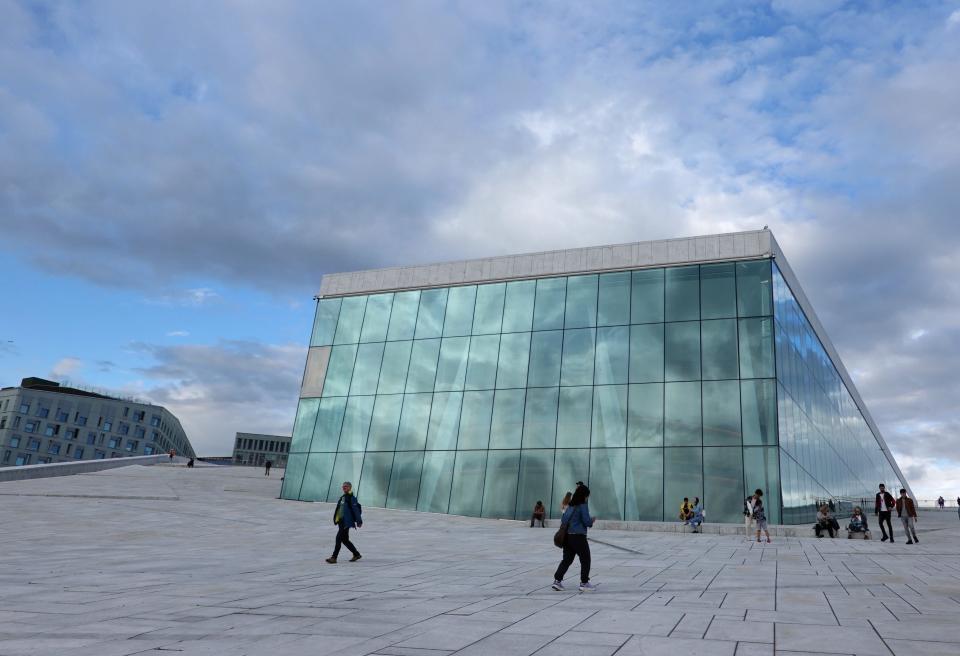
x=884 y=506
x=755 y=515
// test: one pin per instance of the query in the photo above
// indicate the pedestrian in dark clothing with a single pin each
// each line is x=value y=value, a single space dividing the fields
x=907 y=512
x=190 y=463
x=346 y=517
x=267 y=466
x=539 y=512
x=885 y=503
x=577 y=519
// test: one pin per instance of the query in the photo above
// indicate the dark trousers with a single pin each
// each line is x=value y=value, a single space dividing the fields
x=536 y=518
x=343 y=538
x=575 y=546
x=885 y=517
x=820 y=528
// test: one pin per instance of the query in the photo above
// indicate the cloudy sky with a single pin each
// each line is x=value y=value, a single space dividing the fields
x=176 y=177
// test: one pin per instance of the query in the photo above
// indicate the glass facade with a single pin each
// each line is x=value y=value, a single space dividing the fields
x=650 y=385
x=827 y=450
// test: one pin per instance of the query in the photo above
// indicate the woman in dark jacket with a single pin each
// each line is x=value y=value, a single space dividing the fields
x=577 y=519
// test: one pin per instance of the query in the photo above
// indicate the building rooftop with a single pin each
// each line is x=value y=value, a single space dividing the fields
x=44 y=385
x=208 y=561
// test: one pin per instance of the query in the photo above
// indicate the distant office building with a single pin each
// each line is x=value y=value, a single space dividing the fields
x=256 y=449
x=652 y=371
x=42 y=421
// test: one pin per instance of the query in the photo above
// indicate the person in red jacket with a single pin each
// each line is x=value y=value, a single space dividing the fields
x=907 y=512
x=885 y=504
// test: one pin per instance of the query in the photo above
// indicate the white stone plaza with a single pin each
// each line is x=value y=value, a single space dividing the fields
x=169 y=560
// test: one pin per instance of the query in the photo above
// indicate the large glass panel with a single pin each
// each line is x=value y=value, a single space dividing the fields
x=719 y=345
x=512 y=360
x=414 y=420
x=548 y=310
x=377 y=318
x=612 y=355
x=466 y=496
x=681 y=409
x=575 y=416
x=581 y=305
x=536 y=476
x=374 y=479
x=482 y=364
x=444 y=421
x=461 y=303
x=754 y=291
x=475 y=420
x=316 y=477
x=613 y=304
x=609 y=416
x=644 y=490
x=500 y=484
x=718 y=291
x=607 y=481
x=435 y=481
x=303 y=425
x=570 y=466
x=540 y=418
x=339 y=370
x=366 y=370
x=326 y=432
x=761 y=470
x=518 y=306
x=433 y=305
x=350 y=321
x=405 y=480
x=506 y=426
x=393 y=371
x=721 y=413
x=758 y=399
x=423 y=365
x=403 y=317
x=452 y=367
x=682 y=295
x=682 y=477
x=325 y=322
x=646 y=353
x=293 y=475
x=385 y=423
x=756 y=348
x=682 y=351
x=645 y=420
x=356 y=423
x=488 y=313
x=723 y=484
x=646 y=296
x=347 y=467
x=545 y=351
x=578 y=356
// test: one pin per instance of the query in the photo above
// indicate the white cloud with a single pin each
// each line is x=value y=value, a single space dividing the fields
x=178 y=333
x=65 y=367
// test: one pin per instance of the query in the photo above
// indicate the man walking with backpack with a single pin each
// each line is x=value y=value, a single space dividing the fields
x=884 y=505
x=346 y=517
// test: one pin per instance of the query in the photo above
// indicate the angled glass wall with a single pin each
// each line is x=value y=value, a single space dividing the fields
x=650 y=385
x=827 y=450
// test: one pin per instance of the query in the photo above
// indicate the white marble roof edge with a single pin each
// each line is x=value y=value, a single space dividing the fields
x=331 y=279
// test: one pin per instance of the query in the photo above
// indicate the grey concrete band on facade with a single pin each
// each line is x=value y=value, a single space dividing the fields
x=594 y=259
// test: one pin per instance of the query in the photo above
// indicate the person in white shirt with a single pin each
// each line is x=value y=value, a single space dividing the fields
x=748 y=520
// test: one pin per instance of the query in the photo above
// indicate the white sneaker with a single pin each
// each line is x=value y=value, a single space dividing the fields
x=588 y=587
x=558 y=586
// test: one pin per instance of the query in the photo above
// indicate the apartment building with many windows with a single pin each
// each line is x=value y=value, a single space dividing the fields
x=42 y=421
x=256 y=449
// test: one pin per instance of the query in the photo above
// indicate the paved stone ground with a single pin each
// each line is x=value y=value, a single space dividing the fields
x=157 y=560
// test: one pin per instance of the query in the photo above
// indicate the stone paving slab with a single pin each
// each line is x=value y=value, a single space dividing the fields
x=166 y=560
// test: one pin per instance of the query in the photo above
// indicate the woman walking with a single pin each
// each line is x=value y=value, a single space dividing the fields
x=759 y=515
x=565 y=502
x=577 y=519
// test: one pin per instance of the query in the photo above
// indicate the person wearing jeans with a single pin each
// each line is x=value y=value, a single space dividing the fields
x=346 y=516
x=884 y=506
x=907 y=512
x=577 y=519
